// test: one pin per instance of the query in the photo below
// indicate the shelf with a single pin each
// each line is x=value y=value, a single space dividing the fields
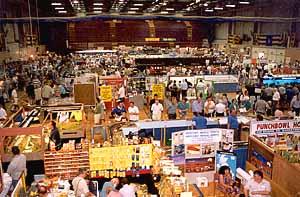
x=129 y=173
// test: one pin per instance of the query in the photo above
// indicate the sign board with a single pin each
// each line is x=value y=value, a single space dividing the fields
x=202 y=136
x=159 y=90
x=226 y=159
x=152 y=39
x=267 y=128
x=106 y=93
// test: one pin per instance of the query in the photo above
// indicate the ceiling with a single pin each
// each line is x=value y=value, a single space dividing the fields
x=143 y=7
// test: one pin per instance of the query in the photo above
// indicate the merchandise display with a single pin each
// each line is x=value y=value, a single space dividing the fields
x=65 y=164
x=121 y=161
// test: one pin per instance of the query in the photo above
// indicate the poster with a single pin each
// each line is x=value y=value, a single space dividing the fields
x=106 y=93
x=200 y=165
x=159 y=90
x=269 y=128
x=226 y=159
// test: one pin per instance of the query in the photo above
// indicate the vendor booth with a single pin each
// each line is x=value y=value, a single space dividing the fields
x=273 y=146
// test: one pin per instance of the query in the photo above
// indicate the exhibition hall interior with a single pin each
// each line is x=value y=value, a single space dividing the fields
x=149 y=98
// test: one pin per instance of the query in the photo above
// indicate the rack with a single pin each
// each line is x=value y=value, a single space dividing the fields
x=65 y=164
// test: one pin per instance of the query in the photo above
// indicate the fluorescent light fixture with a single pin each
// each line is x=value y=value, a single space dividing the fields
x=169 y=9
x=164 y=3
x=59 y=8
x=97 y=11
x=209 y=10
x=205 y=4
x=164 y=12
x=244 y=2
x=55 y=3
x=98 y=4
x=138 y=4
x=98 y=8
x=131 y=12
x=219 y=8
x=230 y=5
x=134 y=8
x=78 y=8
x=75 y=1
x=62 y=11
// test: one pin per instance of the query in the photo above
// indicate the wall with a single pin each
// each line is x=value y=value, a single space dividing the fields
x=93 y=34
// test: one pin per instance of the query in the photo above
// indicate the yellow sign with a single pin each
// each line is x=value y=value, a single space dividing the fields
x=152 y=39
x=159 y=90
x=106 y=93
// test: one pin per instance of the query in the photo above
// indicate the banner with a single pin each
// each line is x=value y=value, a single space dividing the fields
x=106 y=93
x=267 y=128
x=159 y=90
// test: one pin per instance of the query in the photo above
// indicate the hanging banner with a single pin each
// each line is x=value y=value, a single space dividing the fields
x=159 y=90
x=106 y=93
x=267 y=128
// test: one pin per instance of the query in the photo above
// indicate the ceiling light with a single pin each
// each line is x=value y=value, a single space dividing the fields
x=219 y=8
x=78 y=8
x=55 y=3
x=75 y=1
x=62 y=11
x=131 y=12
x=209 y=10
x=97 y=8
x=165 y=3
x=164 y=12
x=169 y=9
x=244 y=2
x=205 y=4
x=98 y=4
x=230 y=6
x=59 y=8
x=97 y=11
x=134 y=8
x=138 y=4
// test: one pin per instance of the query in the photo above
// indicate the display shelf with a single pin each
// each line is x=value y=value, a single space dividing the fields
x=65 y=164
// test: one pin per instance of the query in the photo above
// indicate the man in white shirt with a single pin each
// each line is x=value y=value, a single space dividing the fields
x=220 y=109
x=133 y=112
x=156 y=109
x=80 y=185
x=184 y=88
x=127 y=190
x=173 y=71
x=209 y=107
x=3 y=114
x=121 y=93
x=257 y=186
x=276 y=95
x=17 y=165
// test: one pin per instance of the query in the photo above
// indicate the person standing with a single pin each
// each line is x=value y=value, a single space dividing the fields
x=220 y=109
x=257 y=186
x=209 y=107
x=55 y=136
x=121 y=93
x=157 y=110
x=80 y=185
x=3 y=114
x=197 y=105
x=184 y=88
x=172 y=109
x=30 y=93
x=127 y=190
x=183 y=108
x=108 y=186
x=295 y=105
x=261 y=107
x=152 y=101
x=47 y=92
x=17 y=165
x=133 y=112
x=199 y=121
x=232 y=123
x=99 y=111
